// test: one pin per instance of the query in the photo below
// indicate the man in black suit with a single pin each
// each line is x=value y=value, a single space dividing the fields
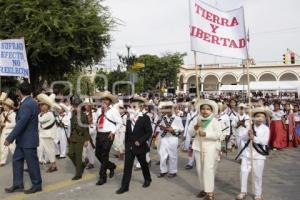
x=138 y=132
x=26 y=136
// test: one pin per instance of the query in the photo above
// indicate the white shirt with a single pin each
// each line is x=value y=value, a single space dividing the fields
x=45 y=120
x=10 y=123
x=277 y=115
x=190 y=116
x=262 y=137
x=241 y=129
x=113 y=115
x=176 y=124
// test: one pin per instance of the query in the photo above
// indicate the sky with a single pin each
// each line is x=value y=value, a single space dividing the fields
x=160 y=26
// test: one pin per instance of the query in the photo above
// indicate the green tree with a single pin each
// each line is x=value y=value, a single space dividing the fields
x=61 y=35
x=160 y=70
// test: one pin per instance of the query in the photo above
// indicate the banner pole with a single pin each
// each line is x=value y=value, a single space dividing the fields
x=196 y=72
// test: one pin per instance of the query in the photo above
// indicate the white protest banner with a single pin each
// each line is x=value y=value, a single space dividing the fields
x=217 y=32
x=13 y=58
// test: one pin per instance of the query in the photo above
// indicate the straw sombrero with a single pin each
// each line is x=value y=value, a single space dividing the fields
x=3 y=96
x=263 y=110
x=45 y=99
x=107 y=95
x=211 y=103
x=137 y=98
x=64 y=107
x=9 y=102
x=164 y=104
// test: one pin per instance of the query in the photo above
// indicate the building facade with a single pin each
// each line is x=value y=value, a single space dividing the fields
x=211 y=77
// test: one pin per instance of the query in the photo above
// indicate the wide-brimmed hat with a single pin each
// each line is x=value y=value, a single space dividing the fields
x=3 y=96
x=242 y=105
x=137 y=98
x=45 y=99
x=107 y=95
x=263 y=110
x=9 y=102
x=212 y=104
x=164 y=104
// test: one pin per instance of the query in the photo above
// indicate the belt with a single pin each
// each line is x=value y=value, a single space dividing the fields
x=103 y=132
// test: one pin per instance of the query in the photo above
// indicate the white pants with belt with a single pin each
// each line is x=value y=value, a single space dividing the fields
x=4 y=149
x=258 y=168
x=168 y=154
x=62 y=142
x=206 y=173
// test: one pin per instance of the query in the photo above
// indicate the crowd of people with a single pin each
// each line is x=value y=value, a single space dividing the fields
x=42 y=129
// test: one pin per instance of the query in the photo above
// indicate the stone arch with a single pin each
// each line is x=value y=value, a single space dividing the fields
x=243 y=80
x=191 y=81
x=267 y=76
x=288 y=76
x=211 y=82
x=228 y=79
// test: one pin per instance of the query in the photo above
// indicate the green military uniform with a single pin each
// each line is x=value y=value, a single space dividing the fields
x=79 y=135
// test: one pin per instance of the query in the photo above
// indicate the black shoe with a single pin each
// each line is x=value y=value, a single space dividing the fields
x=101 y=182
x=187 y=167
x=122 y=190
x=147 y=183
x=14 y=189
x=60 y=158
x=33 y=190
x=75 y=178
x=112 y=172
x=172 y=175
x=161 y=175
x=90 y=166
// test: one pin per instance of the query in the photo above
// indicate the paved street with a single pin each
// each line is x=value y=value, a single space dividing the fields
x=281 y=182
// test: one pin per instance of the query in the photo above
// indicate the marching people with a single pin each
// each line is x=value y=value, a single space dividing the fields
x=47 y=131
x=241 y=124
x=63 y=125
x=25 y=133
x=138 y=132
x=119 y=142
x=170 y=129
x=79 y=137
x=187 y=137
x=290 y=126
x=207 y=131
x=278 y=134
x=7 y=124
x=109 y=122
x=258 y=137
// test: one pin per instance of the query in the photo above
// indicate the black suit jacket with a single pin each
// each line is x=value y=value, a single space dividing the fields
x=141 y=132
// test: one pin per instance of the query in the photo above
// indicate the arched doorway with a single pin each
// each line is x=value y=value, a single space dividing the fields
x=244 y=79
x=267 y=77
x=289 y=76
x=210 y=83
x=228 y=79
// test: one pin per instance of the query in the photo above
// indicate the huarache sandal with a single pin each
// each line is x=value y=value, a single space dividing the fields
x=241 y=196
x=201 y=194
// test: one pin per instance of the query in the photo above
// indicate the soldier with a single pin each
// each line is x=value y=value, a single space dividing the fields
x=79 y=138
x=7 y=123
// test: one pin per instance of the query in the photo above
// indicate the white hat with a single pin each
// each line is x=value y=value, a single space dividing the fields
x=108 y=95
x=138 y=98
x=263 y=110
x=9 y=102
x=163 y=104
x=211 y=103
x=45 y=99
x=242 y=105
x=3 y=96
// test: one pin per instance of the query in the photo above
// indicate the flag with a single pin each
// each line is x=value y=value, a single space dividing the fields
x=216 y=32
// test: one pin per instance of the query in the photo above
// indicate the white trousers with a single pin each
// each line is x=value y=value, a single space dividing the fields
x=206 y=173
x=187 y=142
x=191 y=159
x=168 y=154
x=258 y=168
x=5 y=150
x=47 y=146
x=119 y=142
x=61 y=142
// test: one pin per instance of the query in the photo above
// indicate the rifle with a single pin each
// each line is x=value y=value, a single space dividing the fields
x=154 y=135
x=246 y=145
